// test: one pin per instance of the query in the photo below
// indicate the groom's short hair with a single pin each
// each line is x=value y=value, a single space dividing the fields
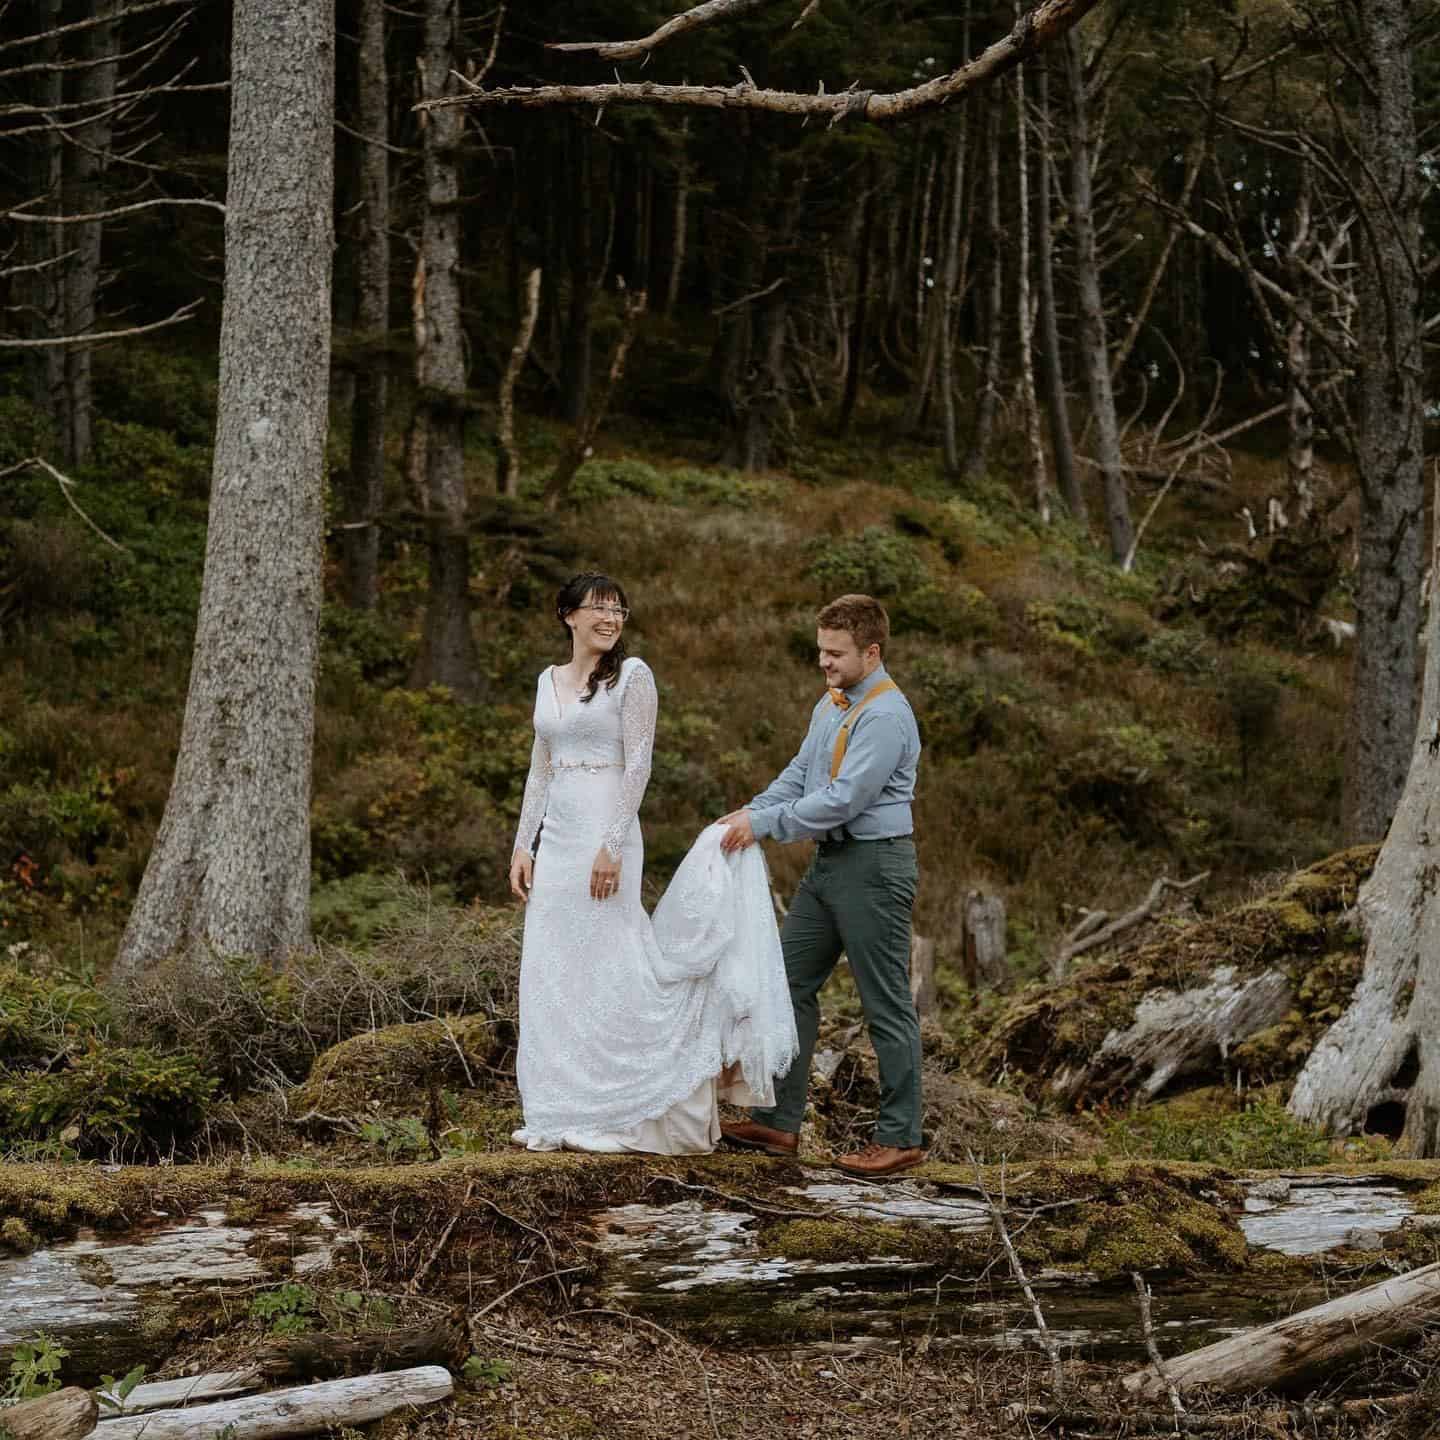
x=862 y=616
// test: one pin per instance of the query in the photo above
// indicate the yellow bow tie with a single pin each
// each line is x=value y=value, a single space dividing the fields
x=839 y=699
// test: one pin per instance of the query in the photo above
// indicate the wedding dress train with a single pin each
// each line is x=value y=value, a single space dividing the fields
x=632 y=1029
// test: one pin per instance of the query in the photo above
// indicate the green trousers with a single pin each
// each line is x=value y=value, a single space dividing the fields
x=856 y=899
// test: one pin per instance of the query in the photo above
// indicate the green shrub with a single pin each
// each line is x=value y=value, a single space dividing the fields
x=152 y=387
x=876 y=562
x=110 y=1098
x=683 y=485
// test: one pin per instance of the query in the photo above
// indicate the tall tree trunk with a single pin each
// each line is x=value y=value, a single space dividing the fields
x=230 y=870
x=88 y=161
x=679 y=223
x=577 y=346
x=1062 y=442
x=859 y=332
x=365 y=487
x=1094 y=351
x=1300 y=453
x=46 y=288
x=1034 y=448
x=949 y=293
x=1381 y=721
x=1386 y=1047
x=448 y=654
x=977 y=456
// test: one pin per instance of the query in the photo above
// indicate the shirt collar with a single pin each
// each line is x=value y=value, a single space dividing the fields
x=858 y=692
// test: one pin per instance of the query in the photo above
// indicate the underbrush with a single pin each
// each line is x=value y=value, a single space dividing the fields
x=84 y=1073
x=1256 y=1133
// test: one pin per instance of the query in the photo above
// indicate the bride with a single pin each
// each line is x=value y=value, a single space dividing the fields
x=631 y=1030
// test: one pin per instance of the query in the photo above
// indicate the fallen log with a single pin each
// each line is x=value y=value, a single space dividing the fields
x=1296 y=1350
x=90 y=1292
x=68 y=1414
x=167 y=1394
x=314 y=1357
x=303 y=1410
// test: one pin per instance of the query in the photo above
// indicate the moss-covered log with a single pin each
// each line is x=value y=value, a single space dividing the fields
x=1259 y=985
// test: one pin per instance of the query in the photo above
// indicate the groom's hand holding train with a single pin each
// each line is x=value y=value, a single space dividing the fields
x=850 y=788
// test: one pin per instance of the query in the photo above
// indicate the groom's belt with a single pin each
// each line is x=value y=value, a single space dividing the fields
x=846 y=838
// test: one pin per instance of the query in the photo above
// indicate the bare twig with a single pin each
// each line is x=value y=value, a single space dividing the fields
x=693 y=19
x=65 y=484
x=997 y=1216
x=1124 y=922
x=22 y=217
x=1142 y=1290
x=746 y=299
x=95 y=337
x=533 y=1280
x=418 y=1277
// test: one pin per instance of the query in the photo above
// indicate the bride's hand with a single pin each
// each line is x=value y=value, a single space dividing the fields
x=522 y=876
x=604 y=876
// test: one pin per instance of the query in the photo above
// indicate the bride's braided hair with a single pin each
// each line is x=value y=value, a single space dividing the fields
x=572 y=596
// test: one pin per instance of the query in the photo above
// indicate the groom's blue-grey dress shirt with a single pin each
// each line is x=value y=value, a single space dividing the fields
x=870 y=798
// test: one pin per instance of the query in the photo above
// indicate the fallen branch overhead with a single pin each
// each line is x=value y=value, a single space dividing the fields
x=692 y=19
x=1047 y=22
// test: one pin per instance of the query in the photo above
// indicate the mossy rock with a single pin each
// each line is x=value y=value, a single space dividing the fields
x=393 y=1068
x=1303 y=928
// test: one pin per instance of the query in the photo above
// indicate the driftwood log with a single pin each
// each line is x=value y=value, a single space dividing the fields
x=1302 y=1347
x=303 y=1410
x=167 y=1394
x=66 y=1415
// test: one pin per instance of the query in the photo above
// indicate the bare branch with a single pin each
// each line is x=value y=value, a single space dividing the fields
x=92 y=63
x=693 y=19
x=88 y=338
x=23 y=218
x=806 y=13
x=65 y=484
x=126 y=13
x=1050 y=20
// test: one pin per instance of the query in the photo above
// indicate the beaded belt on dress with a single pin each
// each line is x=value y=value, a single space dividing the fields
x=592 y=766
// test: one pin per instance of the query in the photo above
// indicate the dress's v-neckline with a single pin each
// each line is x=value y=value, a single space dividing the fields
x=560 y=705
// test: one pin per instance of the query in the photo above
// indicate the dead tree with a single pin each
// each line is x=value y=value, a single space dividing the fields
x=1093 y=348
x=448 y=655
x=364 y=490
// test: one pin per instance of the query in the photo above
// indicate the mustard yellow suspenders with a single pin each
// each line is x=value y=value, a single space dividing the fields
x=842 y=739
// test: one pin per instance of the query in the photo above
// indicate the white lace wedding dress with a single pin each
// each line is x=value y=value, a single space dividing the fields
x=630 y=1030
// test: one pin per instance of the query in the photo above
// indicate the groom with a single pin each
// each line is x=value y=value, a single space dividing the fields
x=850 y=790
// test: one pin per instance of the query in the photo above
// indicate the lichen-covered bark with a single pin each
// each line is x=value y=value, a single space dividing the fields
x=1381 y=721
x=230 y=870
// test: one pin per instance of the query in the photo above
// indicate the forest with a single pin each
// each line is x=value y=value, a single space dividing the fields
x=1090 y=336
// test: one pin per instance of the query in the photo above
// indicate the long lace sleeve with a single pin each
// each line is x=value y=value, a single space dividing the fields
x=537 y=788
x=638 y=708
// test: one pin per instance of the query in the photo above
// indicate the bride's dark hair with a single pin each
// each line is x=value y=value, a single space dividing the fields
x=571 y=597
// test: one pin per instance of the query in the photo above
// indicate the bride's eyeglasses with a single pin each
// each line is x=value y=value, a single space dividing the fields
x=609 y=612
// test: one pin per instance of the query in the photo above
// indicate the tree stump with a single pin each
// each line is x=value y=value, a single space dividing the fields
x=922 y=973
x=68 y=1414
x=982 y=955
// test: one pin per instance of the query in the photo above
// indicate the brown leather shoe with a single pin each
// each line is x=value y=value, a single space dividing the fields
x=751 y=1135
x=876 y=1161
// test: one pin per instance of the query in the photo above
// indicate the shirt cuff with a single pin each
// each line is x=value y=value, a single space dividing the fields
x=762 y=822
